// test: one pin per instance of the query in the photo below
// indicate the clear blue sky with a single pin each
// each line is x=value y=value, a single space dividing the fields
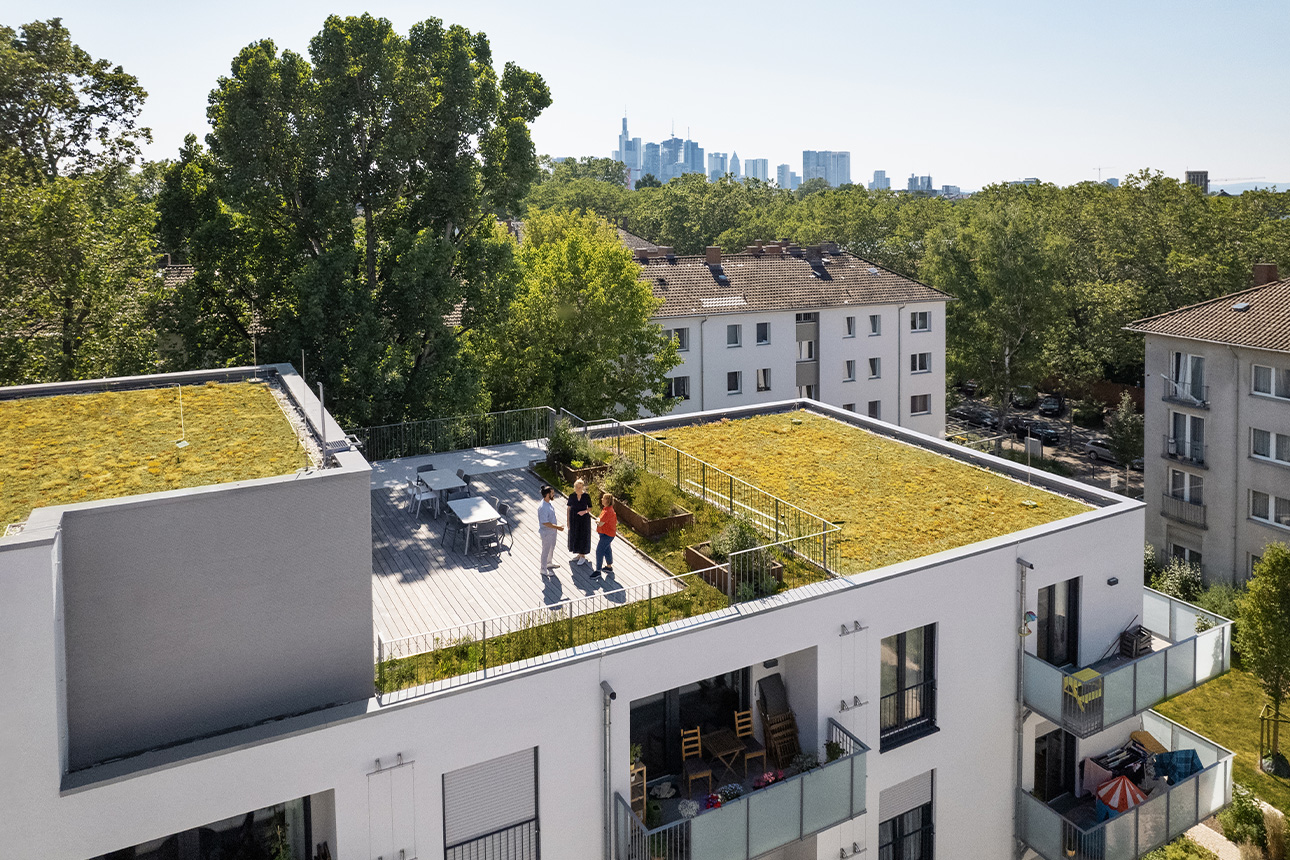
x=969 y=92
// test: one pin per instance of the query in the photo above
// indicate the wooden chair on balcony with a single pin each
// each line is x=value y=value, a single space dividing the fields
x=753 y=748
x=692 y=759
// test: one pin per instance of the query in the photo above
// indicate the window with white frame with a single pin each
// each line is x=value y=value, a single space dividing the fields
x=1187 y=375
x=875 y=410
x=920 y=321
x=680 y=335
x=875 y=368
x=678 y=386
x=807 y=316
x=851 y=327
x=1186 y=486
x=763 y=332
x=1186 y=554
x=920 y=362
x=763 y=379
x=1187 y=441
x=875 y=324
x=1272 y=381
x=734 y=335
x=849 y=370
x=734 y=382
x=920 y=404
x=1266 y=445
x=1269 y=508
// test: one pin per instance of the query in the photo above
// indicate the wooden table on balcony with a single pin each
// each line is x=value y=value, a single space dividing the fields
x=724 y=745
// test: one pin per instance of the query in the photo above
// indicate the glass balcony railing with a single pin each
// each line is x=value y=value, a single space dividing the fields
x=760 y=821
x=1166 y=813
x=1191 y=647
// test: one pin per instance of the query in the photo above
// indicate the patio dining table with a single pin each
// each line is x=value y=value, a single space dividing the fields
x=440 y=482
x=724 y=746
x=472 y=511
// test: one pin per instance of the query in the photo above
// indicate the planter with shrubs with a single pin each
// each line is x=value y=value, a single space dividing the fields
x=573 y=456
x=643 y=501
x=711 y=558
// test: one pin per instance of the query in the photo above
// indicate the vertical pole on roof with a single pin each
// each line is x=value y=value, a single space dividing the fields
x=1022 y=567
x=322 y=424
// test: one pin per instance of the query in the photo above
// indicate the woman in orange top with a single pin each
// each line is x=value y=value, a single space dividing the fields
x=607 y=528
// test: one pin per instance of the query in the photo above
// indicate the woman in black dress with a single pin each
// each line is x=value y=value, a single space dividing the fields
x=578 y=522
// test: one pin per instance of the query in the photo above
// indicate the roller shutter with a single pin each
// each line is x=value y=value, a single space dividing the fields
x=490 y=796
x=904 y=796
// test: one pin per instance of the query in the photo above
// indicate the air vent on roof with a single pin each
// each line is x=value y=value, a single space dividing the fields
x=872 y=270
x=723 y=280
x=1241 y=306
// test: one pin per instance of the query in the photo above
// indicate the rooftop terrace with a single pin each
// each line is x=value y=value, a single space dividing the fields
x=67 y=448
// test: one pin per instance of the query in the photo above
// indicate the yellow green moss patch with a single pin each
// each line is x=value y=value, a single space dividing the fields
x=82 y=447
x=893 y=501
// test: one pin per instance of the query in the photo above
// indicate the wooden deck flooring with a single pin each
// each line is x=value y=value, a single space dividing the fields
x=420 y=586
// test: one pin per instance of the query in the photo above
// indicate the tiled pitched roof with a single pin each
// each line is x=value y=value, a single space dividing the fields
x=634 y=242
x=690 y=287
x=173 y=276
x=1265 y=324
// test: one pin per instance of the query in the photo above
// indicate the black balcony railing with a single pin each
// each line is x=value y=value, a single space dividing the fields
x=517 y=842
x=1184 y=450
x=1186 y=393
x=908 y=713
x=1183 y=511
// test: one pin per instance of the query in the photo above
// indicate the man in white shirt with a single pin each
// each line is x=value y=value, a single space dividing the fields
x=549 y=527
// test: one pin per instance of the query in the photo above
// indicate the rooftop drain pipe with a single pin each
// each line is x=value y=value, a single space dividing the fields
x=607 y=696
x=1023 y=630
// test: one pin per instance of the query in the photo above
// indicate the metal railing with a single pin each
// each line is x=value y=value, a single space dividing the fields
x=437 y=435
x=517 y=842
x=907 y=711
x=1182 y=510
x=760 y=821
x=778 y=519
x=1185 y=393
x=1142 y=828
x=1187 y=452
x=1085 y=703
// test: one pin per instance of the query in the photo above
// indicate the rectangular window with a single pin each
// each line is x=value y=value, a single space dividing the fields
x=875 y=324
x=851 y=327
x=681 y=336
x=1270 y=508
x=1188 y=439
x=875 y=368
x=809 y=316
x=763 y=332
x=734 y=382
x=806 y=350
x=875 y=410
x=1272 y=381
x=920 y=362
x=1186 y=554
x=1186 y=486
x=1267 y=445
x=920 y=321
x=734 y=335
x=678 y=386
x=763 y=379
x=849 y=371
x=907 y=836
x=850 y=407
x=920 y=404
x=908 y=706
x=1187 y=373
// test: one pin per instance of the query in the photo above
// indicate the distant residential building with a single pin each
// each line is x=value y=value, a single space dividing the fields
x=1029 y=180
x=734 y=165
x=1199 y=178
x=880 y=181
x=1217 y=429
x=919 y=183
x=950 y=191
x=757 y=168
x=718 y=163
x=833 y=167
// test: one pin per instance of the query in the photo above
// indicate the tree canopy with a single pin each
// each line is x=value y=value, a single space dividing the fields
x=1264 y=631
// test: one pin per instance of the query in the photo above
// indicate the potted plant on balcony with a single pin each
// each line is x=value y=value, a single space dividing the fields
x=572 y=455
x=646 y=503
x=738 y=536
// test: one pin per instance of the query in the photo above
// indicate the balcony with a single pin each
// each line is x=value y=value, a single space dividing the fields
x=1189 y=647
x=759 y=821
x=1192 y=453
x=1183 y=511
x=1185 y=394
x=1170 y=809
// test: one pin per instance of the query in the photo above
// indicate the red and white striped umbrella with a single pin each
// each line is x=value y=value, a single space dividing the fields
x=1120 y=794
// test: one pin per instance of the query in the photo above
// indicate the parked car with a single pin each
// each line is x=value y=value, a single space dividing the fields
x=976 y=414
x=1098 y=449
x=1052 y=406
x=1024 y=397
x=1022 y=426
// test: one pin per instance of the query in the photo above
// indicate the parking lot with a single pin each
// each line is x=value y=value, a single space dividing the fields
x=1069 y=449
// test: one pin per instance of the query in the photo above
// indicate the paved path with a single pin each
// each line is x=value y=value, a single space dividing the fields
x=1214 y=841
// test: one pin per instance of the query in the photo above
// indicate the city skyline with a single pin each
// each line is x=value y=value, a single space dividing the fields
x=1015 y=91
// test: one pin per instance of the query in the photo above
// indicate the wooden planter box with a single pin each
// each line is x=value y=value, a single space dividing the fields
x=650 y=528
x=697 y=558
x=568 y=474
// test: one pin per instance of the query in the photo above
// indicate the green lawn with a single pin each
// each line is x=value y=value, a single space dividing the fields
x=1226 y=710
x=83 y=447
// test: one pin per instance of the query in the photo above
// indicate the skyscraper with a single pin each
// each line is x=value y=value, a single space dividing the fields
x=717 y=162
x=758 y=168
x=919 y=183
x=652 y=163
x=629 y=153
x=734 y=165
x=782 y=174
x=1199 y=178
x=833 y=167
x=693 y=157
x=880 y=181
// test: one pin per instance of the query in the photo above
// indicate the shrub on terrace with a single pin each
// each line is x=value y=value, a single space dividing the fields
x=1179 y=579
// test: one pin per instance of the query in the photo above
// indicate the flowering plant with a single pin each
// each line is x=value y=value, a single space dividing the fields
x=688 y=808
x=729 y=792
x=712 y=801
x=768 y=778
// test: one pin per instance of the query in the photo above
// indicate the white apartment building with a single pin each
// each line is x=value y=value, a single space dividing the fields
x=189 y=671
x=779 y=321
x=1217 y=446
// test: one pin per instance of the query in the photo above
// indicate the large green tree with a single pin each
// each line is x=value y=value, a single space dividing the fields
x=1264 y=632
x=351 y=200
x=579 y=334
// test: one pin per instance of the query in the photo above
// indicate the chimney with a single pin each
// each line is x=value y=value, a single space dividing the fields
x=164 y=262
x=642 y=255
x=713 y=255
x=755 y=250
x=665 y=250
x=775 y=250
x=1264 y=273
x=759 y=243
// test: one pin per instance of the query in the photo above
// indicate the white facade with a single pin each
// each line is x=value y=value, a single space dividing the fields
x=901 y=350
